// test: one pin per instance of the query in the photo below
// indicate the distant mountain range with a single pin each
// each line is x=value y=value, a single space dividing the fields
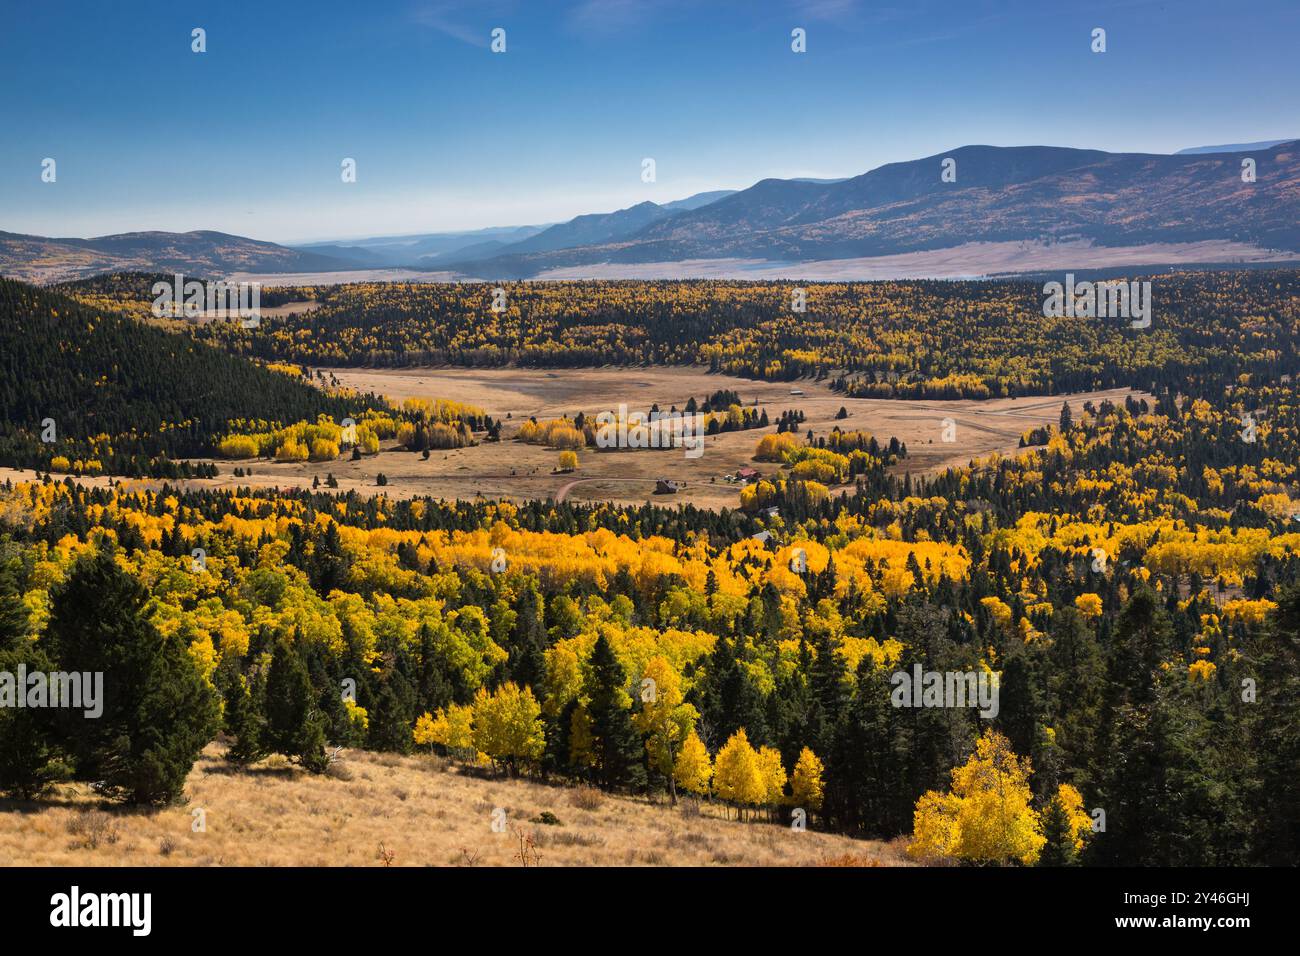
x=38 y=259
x=1001 y=194
x=431 y=251
x=1035 y=196
x=1231 y=147
x=395 y=251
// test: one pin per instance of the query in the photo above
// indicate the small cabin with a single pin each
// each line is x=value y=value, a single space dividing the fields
x=668 y=486
x=748 y=474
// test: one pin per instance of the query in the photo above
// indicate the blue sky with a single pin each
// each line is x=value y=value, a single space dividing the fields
x=248 y=137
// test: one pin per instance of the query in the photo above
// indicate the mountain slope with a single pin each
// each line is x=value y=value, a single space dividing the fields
x=40 y=259
x=263 y=823
x=1231 y=147
x=698 y=200
x=153 y=393
x=589 y=229
x=1031 y=193
x=396 y=251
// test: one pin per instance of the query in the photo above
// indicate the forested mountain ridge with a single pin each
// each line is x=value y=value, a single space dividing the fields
x=123 y=393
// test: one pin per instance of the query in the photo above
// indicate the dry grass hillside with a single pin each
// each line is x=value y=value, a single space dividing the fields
x=384 y=809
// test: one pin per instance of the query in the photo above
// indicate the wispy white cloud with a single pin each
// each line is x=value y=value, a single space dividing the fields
x=460 y=19
x=609 y=16
x=826 y=9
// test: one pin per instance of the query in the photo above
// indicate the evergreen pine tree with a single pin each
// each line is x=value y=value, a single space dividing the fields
x=1276 y=731
x=157 y=710
x=434 y=688
x=829 y=693
x=15 y=625
x=619 y=751
x=30 y=759
x=244 y=722
x=1076 y=687
x=392 y=714
x=175 y=715
x=526 y=665
x=1059 y=849
x=294 y=726
x=1021 y=703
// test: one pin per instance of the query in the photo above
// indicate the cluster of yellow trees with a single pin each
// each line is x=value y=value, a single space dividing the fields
x=554 y=433
x=97 y=449
x=747 y=777
x=877 y=564
x=322 y=440
x=988 y=815
x=776 y=446
x=833 y=465
x=61 y=464
x=445 y=410
x=769 y=491
x=443 y=422
x=504 y=728
x=1168 y=546
x=436 y=435
x=821 y=465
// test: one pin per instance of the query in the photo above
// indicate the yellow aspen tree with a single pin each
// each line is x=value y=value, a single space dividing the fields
x=806 y=788
x=451 y=727
x=1080 y=822
x=774 y=776
x=987 y=816
x=1089 y=606
x=998 y=610
x=582 y=748
x=507 y=725
x=693 y=768
x=737 y=774
x=663 y=718
x=358 y=717
x=424 y=733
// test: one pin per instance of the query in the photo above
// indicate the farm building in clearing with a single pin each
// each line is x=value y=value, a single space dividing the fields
x=668 y=486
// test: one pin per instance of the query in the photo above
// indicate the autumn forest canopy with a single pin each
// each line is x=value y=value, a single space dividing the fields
x=1129 y=582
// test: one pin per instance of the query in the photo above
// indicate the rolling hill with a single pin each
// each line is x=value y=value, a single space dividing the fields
x=123 y=391
x=39 y=259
